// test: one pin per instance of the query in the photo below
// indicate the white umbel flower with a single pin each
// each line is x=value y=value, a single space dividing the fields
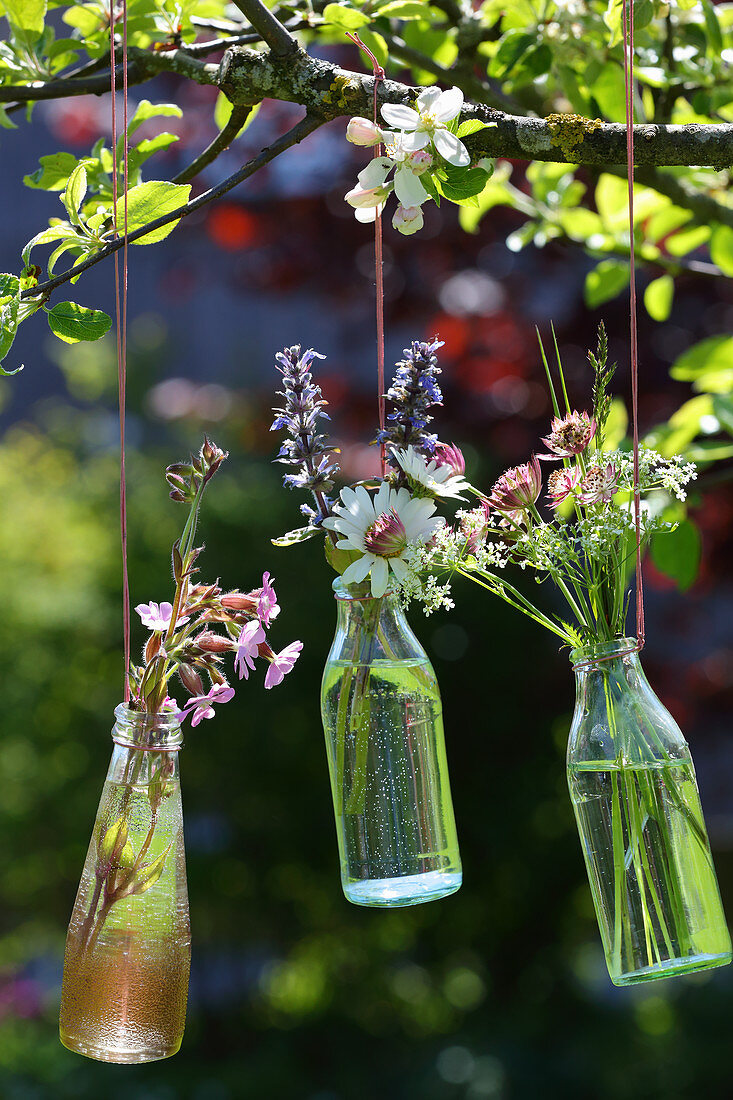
x=427 y=123
x=381 y=528
x=437 y=478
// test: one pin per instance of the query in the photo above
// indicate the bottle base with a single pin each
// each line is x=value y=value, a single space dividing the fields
x=390 y=893
x=122 y=1055
x=673 y=968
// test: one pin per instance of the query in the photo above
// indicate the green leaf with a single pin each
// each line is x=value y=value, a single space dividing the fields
x=494 y=194
x=721 y=248
x=658 y=297
x=5 y=121
x=54 y=172
x=403 y=9
x=715 y=37
x=472 y=126
x=723 y=411
x=146 y=110
x=300 y=534
x=149 y=201
x=688 y=240
x=511 y=47
x=608 y=92
x=606 y=281
x=72 y=322
x=708 y=365
x=48 y=236
x=345 y=17
x=28 y=15
x=677 y=553
x=73 y=196
x=462 y=183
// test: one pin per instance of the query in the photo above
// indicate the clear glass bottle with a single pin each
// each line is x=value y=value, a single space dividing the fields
x=636 y=802
x=128 y=948
x=382 y=718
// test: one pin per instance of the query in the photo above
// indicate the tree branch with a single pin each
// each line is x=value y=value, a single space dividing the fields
x=221 y=142
x=306 y=126
x=277 y=37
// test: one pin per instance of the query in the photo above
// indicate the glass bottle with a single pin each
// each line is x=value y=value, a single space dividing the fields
x=128 y=948
x=636 y=802
x=382 y=718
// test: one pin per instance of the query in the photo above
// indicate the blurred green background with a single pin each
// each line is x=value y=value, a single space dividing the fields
x=497 y=993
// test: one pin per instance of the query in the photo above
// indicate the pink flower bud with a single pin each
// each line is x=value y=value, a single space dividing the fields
x=407 y=219
x=210 y=642
x=191 y=680
x=238 y=601
x=362 y=131
x=518 y=488
x=420 y=161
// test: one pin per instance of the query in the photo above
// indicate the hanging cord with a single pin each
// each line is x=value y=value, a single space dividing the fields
x=378 y=256
x=628 y=35
x=121 y=313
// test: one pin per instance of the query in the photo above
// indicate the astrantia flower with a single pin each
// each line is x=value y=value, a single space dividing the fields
x=158 y=616
x=518 y=488
x=563 y=483
x=251 y=636
x=438 y=478
x=569 y=435
x=281 y=663
x=202 y=706
x=381 y=529
x=447 y=454
x=599 y=484
x=427 y=123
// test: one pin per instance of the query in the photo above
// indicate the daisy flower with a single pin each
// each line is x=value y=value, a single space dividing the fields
x=438 y=478
x=381 y=528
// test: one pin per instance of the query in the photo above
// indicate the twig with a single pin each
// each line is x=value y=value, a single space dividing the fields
x=221 y=142
x=306 y=126
x=277 y=37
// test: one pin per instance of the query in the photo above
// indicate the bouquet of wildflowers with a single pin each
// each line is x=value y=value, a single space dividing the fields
x=581 y=536
x=585 y=542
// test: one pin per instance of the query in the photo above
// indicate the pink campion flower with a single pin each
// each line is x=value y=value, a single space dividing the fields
x=518 y=488
x=569 y=435
x=362 y=131
x=598 y=484
x=447 y=454
x=563 y=483
x=202 y=706
x=157 y=617
x=282 y=663
x=251 y=636
x=267 y=605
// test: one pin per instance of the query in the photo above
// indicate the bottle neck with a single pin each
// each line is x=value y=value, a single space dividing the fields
x=372 y=628
x=605 y=656
x=137 y=729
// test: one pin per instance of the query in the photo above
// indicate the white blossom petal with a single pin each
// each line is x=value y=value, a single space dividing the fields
x=451 y=149
x=408 y=188
x=427 y=98
x=447 y=105
x=414 y=141
x=399 y=116
x=368 y=214
x=375 y=172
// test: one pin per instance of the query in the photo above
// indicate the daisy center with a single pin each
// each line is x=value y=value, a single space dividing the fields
x=386 y=537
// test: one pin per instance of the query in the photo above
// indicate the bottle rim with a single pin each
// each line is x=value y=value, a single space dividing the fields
x=597 y=653
x=359 y=592
x=141 y=729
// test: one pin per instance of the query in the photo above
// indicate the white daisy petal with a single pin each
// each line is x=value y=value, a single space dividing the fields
x=447 y=105
x=357 y=571
x=451 y=149
x=399 y=568
x=408 y=188
x=399 y=116
x=365 y=502
x=380 y=577
x=382 y=501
